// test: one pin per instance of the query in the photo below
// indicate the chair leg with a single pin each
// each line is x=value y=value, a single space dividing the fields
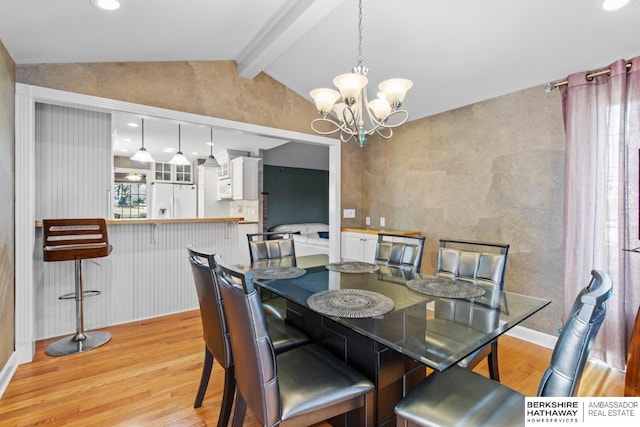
x=204 y=380
x=227 y=397
x=492 y=360
x=369 y=413
x=239 y=411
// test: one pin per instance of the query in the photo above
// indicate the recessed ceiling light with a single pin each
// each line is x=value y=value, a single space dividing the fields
x=106 y=4
x=124 y=150
x=132 y=124
x=127 y=140
x=195 y=153
x=168 y=150
x=613 y=5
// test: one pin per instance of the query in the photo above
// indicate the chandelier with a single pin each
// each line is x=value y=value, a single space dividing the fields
x=348 y=117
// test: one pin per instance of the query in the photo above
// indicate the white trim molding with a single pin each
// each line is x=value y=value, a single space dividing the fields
x=7 y=372
x=26 y=98
x=535 y=337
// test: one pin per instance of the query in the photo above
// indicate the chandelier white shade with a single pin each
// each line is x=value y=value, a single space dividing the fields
x=350 y=86
x=179 y=158
x=394 y=90
x=325 y=99
x=142 y=155
x=355 y=117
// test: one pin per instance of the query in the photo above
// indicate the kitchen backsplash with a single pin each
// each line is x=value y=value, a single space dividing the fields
x=249 y=209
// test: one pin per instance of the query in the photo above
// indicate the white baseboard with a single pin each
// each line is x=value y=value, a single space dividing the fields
x=532 y=336
x=7 y=372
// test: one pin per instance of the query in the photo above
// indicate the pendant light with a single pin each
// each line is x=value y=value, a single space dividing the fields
x=142 y=155
x=211 y=161
x=179 y=158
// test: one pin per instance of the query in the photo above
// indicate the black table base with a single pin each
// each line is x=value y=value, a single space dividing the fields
x=393 y=373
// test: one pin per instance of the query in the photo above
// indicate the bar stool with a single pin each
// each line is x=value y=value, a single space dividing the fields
x=76 y=239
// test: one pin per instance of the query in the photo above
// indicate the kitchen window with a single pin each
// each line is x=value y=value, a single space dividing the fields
x=130 y=200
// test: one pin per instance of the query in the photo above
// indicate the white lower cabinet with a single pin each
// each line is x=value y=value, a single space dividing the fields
x=358 y=246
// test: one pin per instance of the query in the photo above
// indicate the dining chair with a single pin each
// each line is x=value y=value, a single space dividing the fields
x=459 y=321
x=300 y=387
x=272 y=249
x=403 y=252
x=462 y=397
x=632 y=377
x=216 y=333
x=483 y=264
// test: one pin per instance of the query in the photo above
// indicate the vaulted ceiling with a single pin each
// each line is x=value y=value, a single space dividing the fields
x=457 y=52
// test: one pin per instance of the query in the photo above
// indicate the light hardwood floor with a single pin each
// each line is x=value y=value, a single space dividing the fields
x=148 y=374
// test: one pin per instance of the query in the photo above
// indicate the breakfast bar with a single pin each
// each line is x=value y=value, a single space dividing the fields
x=146 y=275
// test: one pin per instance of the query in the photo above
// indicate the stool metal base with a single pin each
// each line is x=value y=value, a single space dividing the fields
x=71 y=345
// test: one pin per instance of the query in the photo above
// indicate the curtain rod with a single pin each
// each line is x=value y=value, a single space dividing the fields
x=552 y=85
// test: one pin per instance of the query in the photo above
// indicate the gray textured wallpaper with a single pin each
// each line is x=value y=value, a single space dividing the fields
x=7 y=114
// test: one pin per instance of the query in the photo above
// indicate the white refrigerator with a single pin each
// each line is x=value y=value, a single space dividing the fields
x=173 y=200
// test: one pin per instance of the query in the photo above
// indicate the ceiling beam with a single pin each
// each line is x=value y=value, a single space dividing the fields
x=294 y=19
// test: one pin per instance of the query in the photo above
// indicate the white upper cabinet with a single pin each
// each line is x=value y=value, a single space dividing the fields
x=166 y=172
x=244 y=178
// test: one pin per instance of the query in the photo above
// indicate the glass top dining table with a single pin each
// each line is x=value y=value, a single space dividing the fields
x=433 y=330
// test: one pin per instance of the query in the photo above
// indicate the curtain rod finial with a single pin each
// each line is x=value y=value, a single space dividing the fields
x=549 y=87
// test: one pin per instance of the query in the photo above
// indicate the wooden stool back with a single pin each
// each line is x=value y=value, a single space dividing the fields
x=75 y=238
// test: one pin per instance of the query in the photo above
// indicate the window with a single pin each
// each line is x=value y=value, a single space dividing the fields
x=130 y=200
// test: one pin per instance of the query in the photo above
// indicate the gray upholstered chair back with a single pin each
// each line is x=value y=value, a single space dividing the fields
x=214 y=324
x=255 y=365
x=272 y=246
x=481 y=314
x=571 y=351
x=403 y=252
x=477 y=262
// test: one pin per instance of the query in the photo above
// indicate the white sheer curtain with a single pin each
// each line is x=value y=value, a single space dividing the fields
x=602 y=123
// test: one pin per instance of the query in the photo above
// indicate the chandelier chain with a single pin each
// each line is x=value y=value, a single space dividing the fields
x=360 y=58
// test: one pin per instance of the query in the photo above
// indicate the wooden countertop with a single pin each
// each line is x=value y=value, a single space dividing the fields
x=164 y=221
x=373 y=230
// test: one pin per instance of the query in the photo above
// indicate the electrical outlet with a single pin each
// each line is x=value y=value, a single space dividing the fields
x=367 y=220
x=349 y=213
x=382 y=222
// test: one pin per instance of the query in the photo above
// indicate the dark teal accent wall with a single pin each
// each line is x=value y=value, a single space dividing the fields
x=296 y=195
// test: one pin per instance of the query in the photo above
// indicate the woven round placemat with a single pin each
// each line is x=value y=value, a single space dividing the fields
x=277 y=272
x=352 y=303
x=445 y=288
x=353 y=267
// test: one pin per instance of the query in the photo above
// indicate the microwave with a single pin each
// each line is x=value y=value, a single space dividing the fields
x=225 y=189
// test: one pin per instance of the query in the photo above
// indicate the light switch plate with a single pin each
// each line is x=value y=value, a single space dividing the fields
x=367 y=221
x=382 y=222
x=349 y=213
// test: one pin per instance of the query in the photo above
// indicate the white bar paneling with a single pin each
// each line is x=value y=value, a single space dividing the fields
x=73 y=162
x=146 y=275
